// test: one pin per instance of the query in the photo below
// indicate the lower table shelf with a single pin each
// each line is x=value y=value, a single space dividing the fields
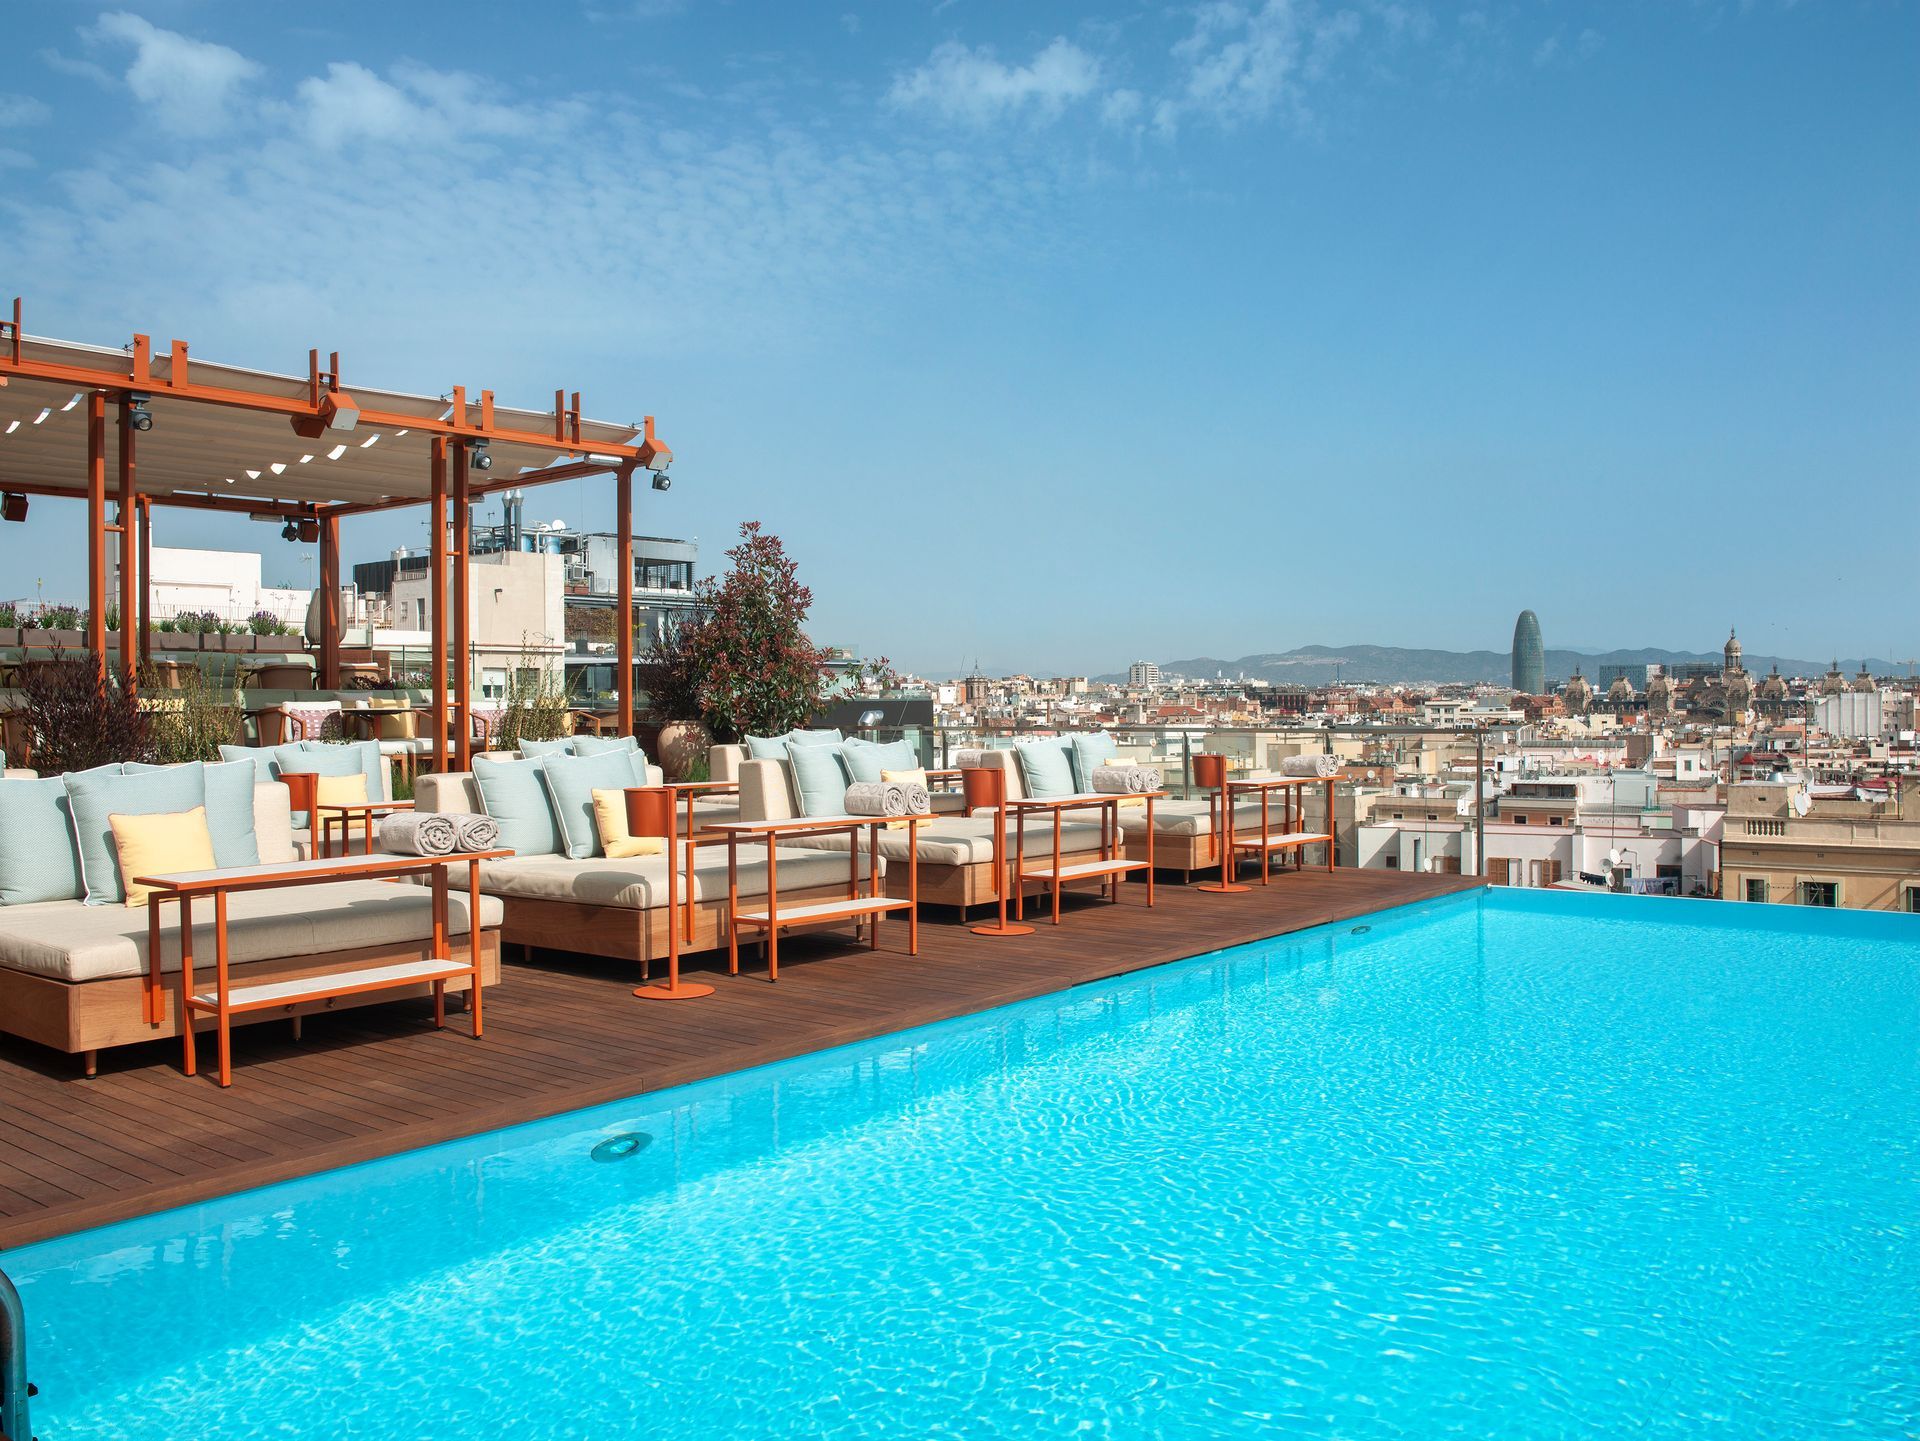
x=824 y=911
x=267 y=994
x=1285 y=842
x=1081 y=870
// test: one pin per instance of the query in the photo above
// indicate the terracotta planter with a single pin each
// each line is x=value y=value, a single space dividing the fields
x=680 y=747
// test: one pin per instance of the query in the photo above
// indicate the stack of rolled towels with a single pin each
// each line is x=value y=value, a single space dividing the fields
x=1125 y=780
x=1318 y=766
x=888 y=798
x=436 y=833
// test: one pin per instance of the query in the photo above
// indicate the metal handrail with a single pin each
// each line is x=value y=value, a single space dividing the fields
x=14 y=1386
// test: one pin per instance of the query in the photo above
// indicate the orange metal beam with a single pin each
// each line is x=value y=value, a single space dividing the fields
x=129 y=522
x=329 y=602
x=143 y=512
x=97 y=530
x=437 y=580
x=461 y=462
x=623 y=612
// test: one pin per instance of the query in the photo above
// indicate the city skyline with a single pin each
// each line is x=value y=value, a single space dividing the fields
x=1428 y=310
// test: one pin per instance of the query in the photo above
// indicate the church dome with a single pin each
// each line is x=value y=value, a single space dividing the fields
x=1732 y=653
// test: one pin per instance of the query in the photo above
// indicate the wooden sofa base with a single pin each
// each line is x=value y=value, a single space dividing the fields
x=624 y=934
x=85 y=1017
x=971 y=885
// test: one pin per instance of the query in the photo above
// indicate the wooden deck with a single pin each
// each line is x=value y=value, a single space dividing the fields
x=562 y=1032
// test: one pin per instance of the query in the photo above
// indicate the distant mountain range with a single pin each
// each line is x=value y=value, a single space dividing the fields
x=1396 y=665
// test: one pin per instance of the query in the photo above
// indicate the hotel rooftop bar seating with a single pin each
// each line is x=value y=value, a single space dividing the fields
x=955 y=850
x=74 y=955
x=322 y=758
x=563 y=891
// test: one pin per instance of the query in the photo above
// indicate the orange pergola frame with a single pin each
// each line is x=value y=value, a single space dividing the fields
x=313 y=411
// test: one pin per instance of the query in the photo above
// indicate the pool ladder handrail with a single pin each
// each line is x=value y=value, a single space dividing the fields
x=15 y=1389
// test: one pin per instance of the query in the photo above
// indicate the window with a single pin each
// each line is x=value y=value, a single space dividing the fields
x=1393 y=862
x=493 y=683
x=1819 y=893
x=1556 y=820
x=1432 y=817
x=1756 y=888
x=1913 y=899
x=1519 y=820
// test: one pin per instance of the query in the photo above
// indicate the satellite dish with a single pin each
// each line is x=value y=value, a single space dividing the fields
x=1802 y=803
x=1613 y=858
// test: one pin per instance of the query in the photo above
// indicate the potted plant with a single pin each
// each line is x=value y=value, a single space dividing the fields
x=9 y=623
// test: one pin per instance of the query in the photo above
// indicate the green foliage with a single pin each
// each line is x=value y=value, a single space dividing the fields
x=192 y=721
x=537 y=706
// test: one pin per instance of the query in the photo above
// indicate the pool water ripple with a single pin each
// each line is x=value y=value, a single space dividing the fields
x=1519 y=1165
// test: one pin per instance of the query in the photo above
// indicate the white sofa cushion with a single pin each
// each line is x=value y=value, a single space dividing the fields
x=1195 y=817
x=957 y=841
x=74 y=942
x=640 y=882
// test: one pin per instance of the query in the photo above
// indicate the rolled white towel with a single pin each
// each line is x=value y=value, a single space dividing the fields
x=478 y=832
x=1317 y=766
x=919 y=801
x=876 y=798
x=969 y=758
x=1125 y=780
x=419 y=833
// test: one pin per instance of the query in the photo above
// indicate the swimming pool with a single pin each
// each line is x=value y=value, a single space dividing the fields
x=1507 y=1164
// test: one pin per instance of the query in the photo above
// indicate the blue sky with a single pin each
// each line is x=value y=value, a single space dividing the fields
x=1056 y=335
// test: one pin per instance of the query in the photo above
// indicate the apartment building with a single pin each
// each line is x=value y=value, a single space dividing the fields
x=1791 y=842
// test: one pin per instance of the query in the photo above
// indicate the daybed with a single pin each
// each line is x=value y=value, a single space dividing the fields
x=72 y=974
x=562 y=891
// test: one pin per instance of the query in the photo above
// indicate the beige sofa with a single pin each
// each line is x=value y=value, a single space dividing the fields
x=73 y=976
x=955 y=851
x=618 y=908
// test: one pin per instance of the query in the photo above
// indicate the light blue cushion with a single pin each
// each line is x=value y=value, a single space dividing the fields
x=536 y=749
x=266 y=759
x=571 y=782
x=38 y=858
x=1046 y=768
x=602 y=745
x=827 y=737
x=317 y=758
x=1090 y=752
x=820 y=775
x=866 y=759
x=229 y=809
x=94 y=797
x=766 y=748
x=373 y=765
x=513 y=793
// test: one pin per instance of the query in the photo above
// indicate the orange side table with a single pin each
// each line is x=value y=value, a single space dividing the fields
x=985 y=788
x=651 y=811
x=1210 y=773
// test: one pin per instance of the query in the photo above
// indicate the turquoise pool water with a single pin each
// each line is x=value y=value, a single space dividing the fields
x=1526 y=1165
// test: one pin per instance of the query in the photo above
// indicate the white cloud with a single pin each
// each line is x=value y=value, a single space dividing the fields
x=22 y=110
x=973 y=87
x=1242 y=62
x=418 y=106
x=1121 y=107
x=190 y=85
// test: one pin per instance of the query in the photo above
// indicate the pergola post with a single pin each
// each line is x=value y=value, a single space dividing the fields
x=97 y=530
x=462 y=622
x=129 y=529
x=329 y=601
x=437 y=580
x=143 y=509
x=623 y=601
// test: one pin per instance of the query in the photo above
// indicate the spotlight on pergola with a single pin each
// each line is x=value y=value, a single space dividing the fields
x=479 y=456
x=138 y=416
x=13 y=506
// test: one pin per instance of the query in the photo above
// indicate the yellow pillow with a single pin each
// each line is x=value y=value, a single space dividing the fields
x=916 y=777
x=340 y=790
x=610 y=819
x=160 y=845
